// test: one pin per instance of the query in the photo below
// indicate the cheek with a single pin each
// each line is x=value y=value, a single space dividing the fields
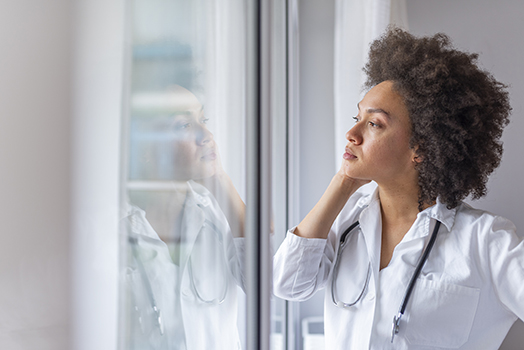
x=184 y=154
x=392 y=150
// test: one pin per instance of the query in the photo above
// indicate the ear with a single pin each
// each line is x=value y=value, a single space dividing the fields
x=415 y=157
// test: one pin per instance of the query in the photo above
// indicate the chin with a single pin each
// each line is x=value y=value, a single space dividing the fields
x=204 y=174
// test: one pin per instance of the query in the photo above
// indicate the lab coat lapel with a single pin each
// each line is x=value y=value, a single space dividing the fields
x=146 y=245
x=192 y=223
x=418 y=235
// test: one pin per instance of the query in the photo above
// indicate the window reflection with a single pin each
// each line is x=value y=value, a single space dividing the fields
x=183 y=219
x=185 y=175
x=184 y=227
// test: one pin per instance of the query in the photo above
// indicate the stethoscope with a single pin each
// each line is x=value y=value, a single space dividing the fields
x=151 y=295
x=214 y=301
x=409 y=290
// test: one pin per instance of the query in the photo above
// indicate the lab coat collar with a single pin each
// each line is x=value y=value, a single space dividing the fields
x=440 y=212
x=138 y=226
x=198 y=200
x=201 y=195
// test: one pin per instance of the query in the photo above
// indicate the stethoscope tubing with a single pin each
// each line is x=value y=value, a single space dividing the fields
x=215 y=301
x=343 y=243
x=411 y=285
x=419 y=267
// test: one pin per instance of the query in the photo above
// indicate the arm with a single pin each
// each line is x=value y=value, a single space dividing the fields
x=301 y=267
x=506 y=259
x=225 y=193
x=319 y=220
x=303 y=261
x=229 y=201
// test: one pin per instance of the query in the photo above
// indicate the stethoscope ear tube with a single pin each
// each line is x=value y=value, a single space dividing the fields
x=344 y=235
x=411 y=285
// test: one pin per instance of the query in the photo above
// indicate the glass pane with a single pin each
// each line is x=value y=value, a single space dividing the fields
x=184 y=183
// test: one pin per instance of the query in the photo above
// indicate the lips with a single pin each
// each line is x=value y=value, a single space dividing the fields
x=348 y=155
x=210 y=155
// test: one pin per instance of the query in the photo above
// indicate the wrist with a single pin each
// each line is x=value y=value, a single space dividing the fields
x=347 y=184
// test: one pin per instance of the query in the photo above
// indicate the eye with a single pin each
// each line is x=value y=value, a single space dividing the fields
x=204 y=120
x=355 y=118
x=182 y=126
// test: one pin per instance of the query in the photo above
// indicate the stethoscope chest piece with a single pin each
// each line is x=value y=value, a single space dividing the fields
x=396 y=325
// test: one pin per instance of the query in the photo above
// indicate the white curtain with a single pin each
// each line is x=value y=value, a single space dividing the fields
x=224 y=63
x=357 y=24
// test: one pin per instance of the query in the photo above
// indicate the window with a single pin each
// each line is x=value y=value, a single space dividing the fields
x=185 y=179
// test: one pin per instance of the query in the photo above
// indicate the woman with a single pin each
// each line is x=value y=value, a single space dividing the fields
x=183 y=265
x=428 y=133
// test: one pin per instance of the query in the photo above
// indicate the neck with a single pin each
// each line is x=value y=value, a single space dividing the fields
x=399 y=203
x=399 y=209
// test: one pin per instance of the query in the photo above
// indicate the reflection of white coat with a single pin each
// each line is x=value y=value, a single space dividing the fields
x=469 y=292
x=208 y=268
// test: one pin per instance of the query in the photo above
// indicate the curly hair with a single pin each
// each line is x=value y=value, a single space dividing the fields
x=457 y=111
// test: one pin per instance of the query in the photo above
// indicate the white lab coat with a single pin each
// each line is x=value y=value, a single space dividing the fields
x=469 y=293
x=188 y=322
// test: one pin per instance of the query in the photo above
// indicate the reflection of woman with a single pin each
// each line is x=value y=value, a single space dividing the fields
x=183 y=265
x=427 y=133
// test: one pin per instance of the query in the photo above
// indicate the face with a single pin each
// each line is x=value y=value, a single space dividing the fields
x=378 y=145
x=194 y=149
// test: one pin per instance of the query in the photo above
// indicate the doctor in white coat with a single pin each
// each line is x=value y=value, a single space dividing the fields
x=182 y=270
x=419 y=269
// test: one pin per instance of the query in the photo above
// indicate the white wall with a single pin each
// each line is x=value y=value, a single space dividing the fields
x=492 y=28
x=317 y=148
x=60 y=69
x=34 y=175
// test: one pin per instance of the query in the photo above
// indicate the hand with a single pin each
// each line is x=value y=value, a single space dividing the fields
x=215 y=177
x=221 y=187
x=345 y=171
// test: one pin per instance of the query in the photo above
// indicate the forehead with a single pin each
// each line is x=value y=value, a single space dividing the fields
x=384 y=97
x=181 y=100
x=175 y=100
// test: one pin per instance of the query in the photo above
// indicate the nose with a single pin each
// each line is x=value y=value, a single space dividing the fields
x=204 y=136
x=354 y=135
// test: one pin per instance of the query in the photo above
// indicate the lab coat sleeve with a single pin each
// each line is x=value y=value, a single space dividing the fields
x=506 y=258
x=301 y=266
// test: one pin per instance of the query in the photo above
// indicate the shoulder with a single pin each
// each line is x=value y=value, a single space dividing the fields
x=491 y=234
x=481 y=220
x=134 y=222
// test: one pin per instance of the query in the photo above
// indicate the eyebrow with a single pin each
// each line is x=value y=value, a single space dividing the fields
x=186 y=113
x=375 y=110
